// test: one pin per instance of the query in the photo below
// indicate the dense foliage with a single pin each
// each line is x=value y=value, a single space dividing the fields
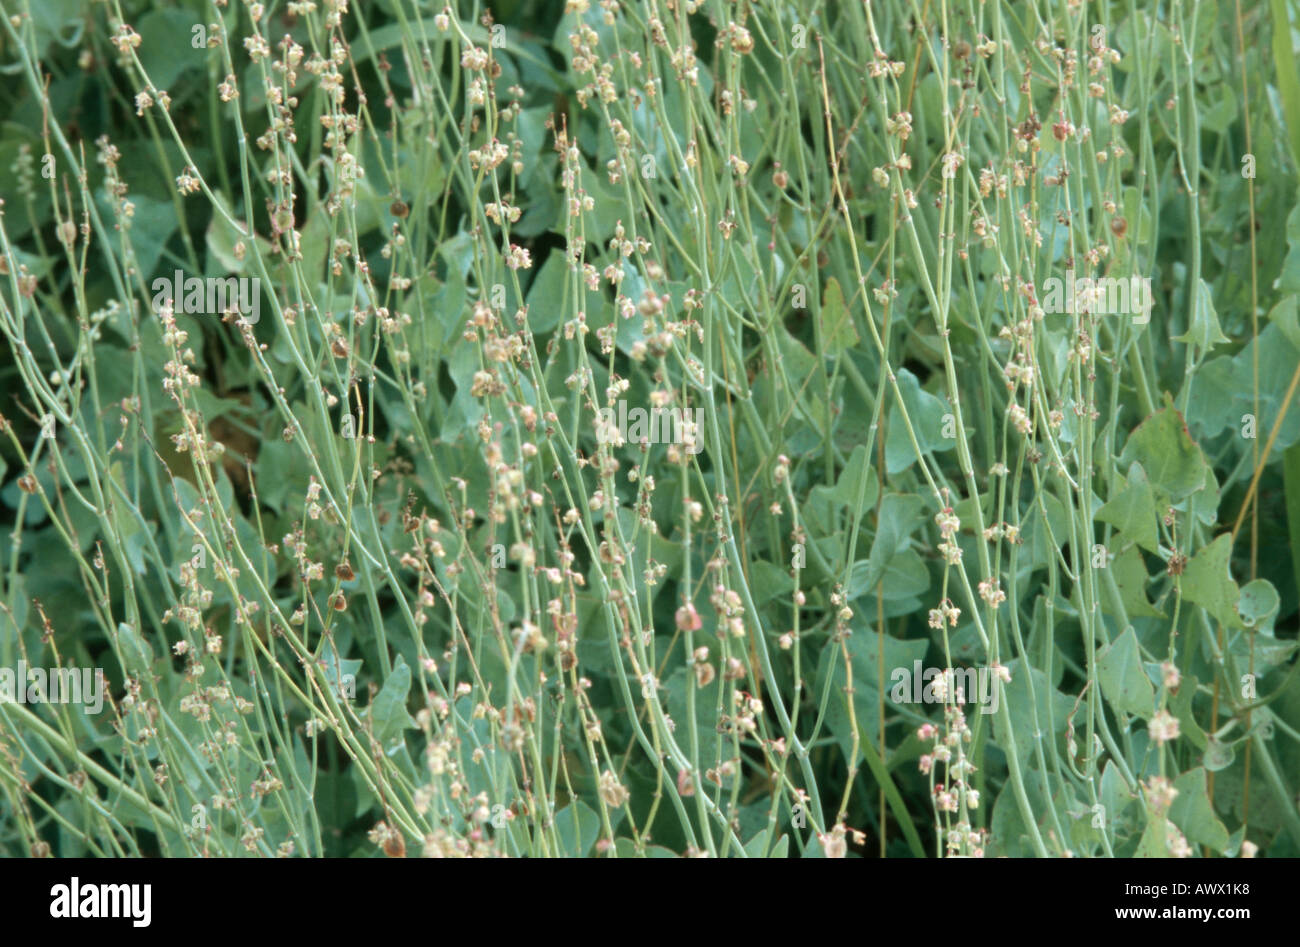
x=591 y=428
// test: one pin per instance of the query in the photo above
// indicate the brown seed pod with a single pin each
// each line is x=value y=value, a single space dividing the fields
x=395 y=845
x=399 y=209
x=1119 y=227
x=685 y=784
x=339 y=347
x=344 y=572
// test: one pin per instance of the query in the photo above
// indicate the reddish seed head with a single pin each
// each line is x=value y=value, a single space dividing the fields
x=685 y=785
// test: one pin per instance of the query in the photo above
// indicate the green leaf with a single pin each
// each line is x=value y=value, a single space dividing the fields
x=626 y=848
x=1133 y=511
x=780 y=850
x=1166 y=451
x=865 y=649
x=1217 y=756
x=222 y=237
x=1258 y=603
x=1284 y=316
x=134 y=650
x=166 y=48
x=755 y=847
x=386 y=37
x=1268 y=650
x=1208 y=582
x=706 y=711
x=1138 y=215
x=770 y=581
x=388 y=711
x=796 y=365
x=1130 y=573
x=1116 y=798
x=155 y=222
x=1204 y=332
x=1278 y=359
x=339 y=673
x=1180 y=705
x=1218 y=118
x=926 y=412
x=578 y=827
x=862 y=647
x=896 y=804
x=1123 y=681
x=899 y=516
x=1288 y=85
x=61 y=20
x=1028 y=716
x=548 y=293
x=1009 y=834
x=1153 y=843
x=849 y=485
x=1213 y=404
x=1291 y=486
x=1289 y=281
x=1192 y=813
x=905 y=577
x=1203 y=503
x=838 y=332
x=459 y=254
